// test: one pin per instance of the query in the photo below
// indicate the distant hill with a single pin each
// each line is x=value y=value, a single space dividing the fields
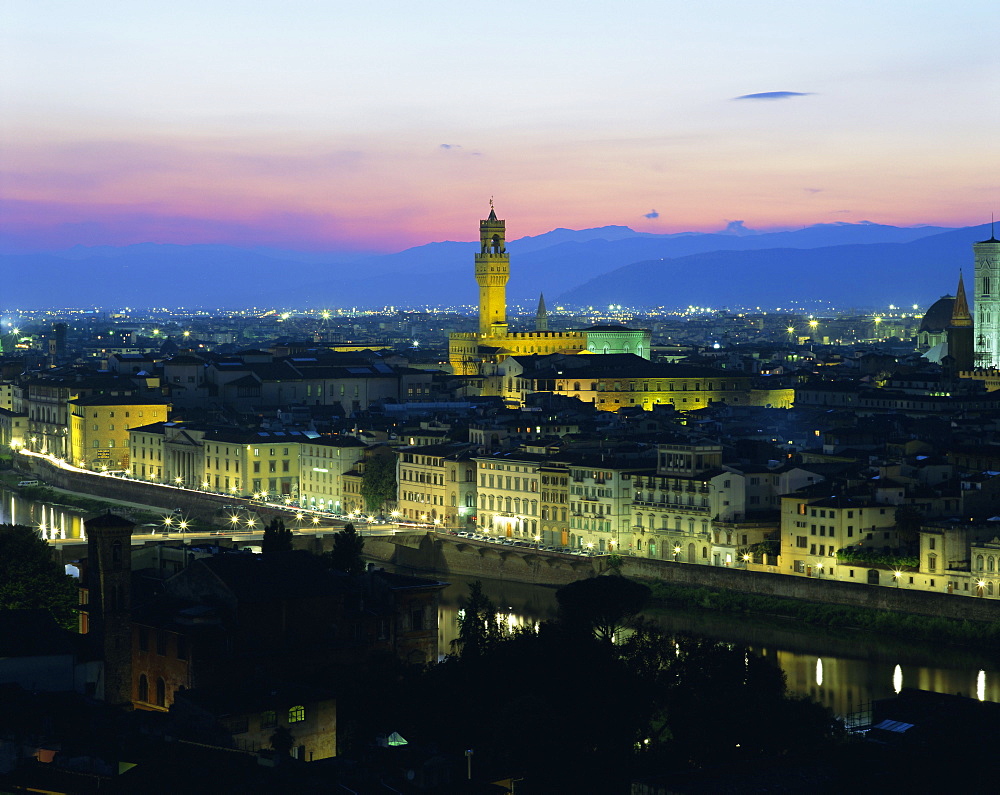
x=919 y=271
x=586 y=266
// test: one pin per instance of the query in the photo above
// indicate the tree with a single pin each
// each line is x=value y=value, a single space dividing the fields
x=347 y=551
x=378 y=484
x=31 y=579
x=277 y=538
x=478 y=627
x=908 y=521
x=600 y=605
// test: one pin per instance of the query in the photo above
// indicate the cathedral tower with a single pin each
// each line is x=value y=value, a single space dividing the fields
x=492 y=274
x=960 y=336
x=987 y=300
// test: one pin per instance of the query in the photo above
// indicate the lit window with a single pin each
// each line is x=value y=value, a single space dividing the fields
x=296 y=714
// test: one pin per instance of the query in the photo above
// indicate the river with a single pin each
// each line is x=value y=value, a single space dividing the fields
x=53 y=522
x=842 y=669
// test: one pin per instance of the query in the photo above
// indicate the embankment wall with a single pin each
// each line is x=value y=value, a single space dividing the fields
x=443 y=555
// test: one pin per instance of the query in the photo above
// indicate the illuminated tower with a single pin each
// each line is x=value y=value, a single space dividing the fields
x=987 y=300
x=492 y=274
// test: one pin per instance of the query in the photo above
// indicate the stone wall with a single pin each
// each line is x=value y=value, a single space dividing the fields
x=447 y=554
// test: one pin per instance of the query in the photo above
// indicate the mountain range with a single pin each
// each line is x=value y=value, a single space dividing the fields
x=844 y=264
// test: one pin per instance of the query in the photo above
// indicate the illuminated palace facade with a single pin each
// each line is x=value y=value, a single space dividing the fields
x=479 y=353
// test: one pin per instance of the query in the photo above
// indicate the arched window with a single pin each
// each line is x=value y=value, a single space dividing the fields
x=297 y=714
x=161 y=692
x=989 y=589
x=990 y=563
x=979 y=562
x=576 y=386
x=143 y=688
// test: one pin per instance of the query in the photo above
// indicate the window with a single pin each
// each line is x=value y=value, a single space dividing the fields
x=417 y=619
x=296 y=714
x=161 y=692
x=268 y=719
x=143 y=688
x=161 y=643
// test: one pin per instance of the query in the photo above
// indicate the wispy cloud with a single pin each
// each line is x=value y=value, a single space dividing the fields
x=651 y=215
x=447 y=147
x=769 y=95
x=813 y=190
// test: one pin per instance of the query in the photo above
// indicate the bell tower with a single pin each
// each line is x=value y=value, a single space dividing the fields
x=492 y=274
x=987 y=301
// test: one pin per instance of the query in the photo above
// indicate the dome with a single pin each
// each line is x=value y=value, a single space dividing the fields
x=938 y=317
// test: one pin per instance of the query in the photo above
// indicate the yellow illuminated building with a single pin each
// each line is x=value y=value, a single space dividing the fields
x=99 y=429
x=478 y=353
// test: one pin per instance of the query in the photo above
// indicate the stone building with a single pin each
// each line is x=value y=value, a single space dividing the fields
x=478 y=353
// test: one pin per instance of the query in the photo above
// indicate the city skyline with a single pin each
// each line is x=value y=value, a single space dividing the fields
x=379 y=128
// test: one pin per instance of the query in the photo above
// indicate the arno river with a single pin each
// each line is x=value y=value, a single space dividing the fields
x=844 y=670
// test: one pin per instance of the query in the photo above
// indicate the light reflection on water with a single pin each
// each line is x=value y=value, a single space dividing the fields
x=51 y=521
x=843 y=671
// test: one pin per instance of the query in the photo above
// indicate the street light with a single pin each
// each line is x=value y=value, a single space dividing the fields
x=896 y=575
x=819 y=569
x=677 y=551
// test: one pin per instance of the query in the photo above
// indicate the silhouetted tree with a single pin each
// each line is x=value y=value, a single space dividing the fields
x=348 y=548
x=282 y=741
x=600 y=605
x=277 y=538
x=31 y=579
x=478 y=626
x=378 y=484
x=908 y=520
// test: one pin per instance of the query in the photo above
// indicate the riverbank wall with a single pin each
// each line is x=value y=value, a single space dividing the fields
x=445 y=554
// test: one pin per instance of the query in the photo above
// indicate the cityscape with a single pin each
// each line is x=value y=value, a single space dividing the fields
x=498 y=400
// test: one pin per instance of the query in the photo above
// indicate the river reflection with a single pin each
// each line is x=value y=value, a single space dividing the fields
x=841 y=669
x=52 y=521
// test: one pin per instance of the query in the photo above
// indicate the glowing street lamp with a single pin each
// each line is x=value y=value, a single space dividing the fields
x=315 y=520
x=182 y=526
x=234 y=520
x=251 y=523
x=896 y=575
x=677 y=551
x=167 y=521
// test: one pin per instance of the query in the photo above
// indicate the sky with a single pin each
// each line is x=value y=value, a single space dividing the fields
x=329 y=125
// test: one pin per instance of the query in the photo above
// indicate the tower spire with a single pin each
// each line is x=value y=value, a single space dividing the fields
x=541 y=316
x=960 y=314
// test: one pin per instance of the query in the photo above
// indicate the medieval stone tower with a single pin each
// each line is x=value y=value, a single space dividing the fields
x=492 y=275
x=109 y=580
